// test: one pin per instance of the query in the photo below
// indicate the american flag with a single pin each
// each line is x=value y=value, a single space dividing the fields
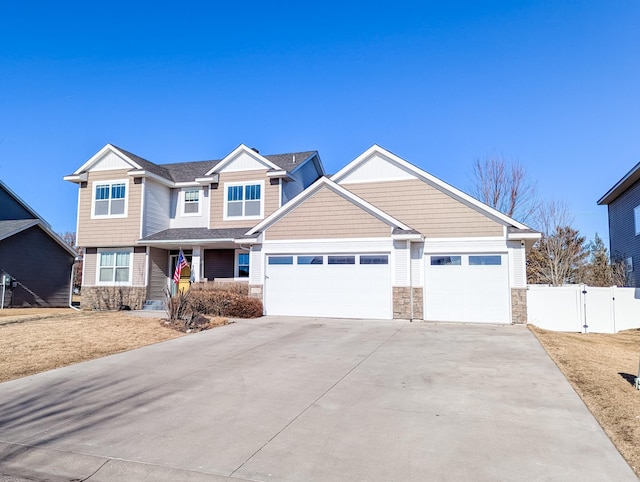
x=180 y=265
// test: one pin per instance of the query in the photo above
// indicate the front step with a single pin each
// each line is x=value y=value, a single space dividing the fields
x=155 y=305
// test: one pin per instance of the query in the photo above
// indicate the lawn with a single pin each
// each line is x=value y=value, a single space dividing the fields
x=602 y=369
x=33 y=340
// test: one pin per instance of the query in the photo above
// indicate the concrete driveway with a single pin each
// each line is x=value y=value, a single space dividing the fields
x=284 y=399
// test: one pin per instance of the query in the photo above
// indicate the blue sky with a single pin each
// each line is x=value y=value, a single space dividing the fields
x=552 y=84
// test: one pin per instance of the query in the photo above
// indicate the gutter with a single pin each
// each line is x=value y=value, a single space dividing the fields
x=73 y=270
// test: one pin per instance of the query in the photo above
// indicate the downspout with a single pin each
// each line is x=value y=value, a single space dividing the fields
x=73 y=270
x=410 y=281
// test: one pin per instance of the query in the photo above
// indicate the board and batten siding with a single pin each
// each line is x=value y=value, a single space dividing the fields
x=426 y=209
x=156 y=215
x=624 y=242
x=158 y=273
x=327 y=215
x=114 y=232
x=271 y=197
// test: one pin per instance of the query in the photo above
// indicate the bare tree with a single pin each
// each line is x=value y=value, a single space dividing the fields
x=560 y=257
x=504 y=186
x=70 y=239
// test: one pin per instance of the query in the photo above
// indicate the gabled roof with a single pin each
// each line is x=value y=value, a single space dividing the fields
x=325 y=182
x=12 y=227
x=182 y=172
x=628 y=180
x=429 y=179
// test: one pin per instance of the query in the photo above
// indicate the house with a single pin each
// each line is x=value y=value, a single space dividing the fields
x=35 y=262
x=381 y=238
x=623 y=204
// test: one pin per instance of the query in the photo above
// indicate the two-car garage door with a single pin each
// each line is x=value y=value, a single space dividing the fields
x=328 y=285
x=467 y=287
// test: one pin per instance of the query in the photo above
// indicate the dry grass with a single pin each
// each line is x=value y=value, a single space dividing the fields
x=602 y=369
x=33 y=340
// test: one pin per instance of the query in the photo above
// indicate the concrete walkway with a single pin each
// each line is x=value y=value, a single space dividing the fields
x=284 y=399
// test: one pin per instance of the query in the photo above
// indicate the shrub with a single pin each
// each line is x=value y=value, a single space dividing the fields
x=224 y=303
x=232 y=286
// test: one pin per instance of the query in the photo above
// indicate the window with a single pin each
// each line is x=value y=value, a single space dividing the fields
x=636 y=218
x=341 y=260
x=280 y=259
x=110 y=199
x=114 y=267
x=446 y=260
x=310 y=260
x=244 y=201
x=191 y=204
x=243 y=265
x=492 y=260
x=377 y=259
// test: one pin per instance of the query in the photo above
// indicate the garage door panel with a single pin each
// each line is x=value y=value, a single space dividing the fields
x=473 y=289
x=329 y=290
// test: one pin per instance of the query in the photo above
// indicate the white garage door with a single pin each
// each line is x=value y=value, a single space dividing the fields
x=344 y=286
x=467 y=287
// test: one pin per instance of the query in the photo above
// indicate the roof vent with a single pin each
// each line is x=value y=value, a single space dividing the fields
x=294 y=158
x=255 y=150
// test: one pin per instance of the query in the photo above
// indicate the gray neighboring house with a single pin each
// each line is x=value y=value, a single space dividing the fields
x=38 y=261
x=623 y=203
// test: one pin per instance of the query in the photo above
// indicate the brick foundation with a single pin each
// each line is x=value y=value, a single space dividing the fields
x=402 y=303
x=519 y=305
x=113 y=297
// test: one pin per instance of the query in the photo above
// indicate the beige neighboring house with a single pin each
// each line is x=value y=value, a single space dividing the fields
x=379 y=239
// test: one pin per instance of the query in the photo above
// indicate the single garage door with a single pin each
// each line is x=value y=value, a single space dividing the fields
x=467 y=287
x=323 y=285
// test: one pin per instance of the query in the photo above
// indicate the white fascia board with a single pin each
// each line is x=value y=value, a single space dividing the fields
x=279 y=174
x=187 y=184
x=77 y=178
x=524 y=236
x=407 y=237
x=150 y=175
x=208 y=180
x=425 y=176
x=315 y=187
x=247 y=241
x=101 y=153
x=241 y=148
x=201 y=242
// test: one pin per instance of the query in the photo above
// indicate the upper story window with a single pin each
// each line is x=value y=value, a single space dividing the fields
x=114 y=267
x=110 y=199
x=244 y=200
x=191 y=202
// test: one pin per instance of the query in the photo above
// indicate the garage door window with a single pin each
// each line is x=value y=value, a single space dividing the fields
x=310 y=260
x=280 y=259
x=380 y=259
x=495 y=260
x=446 y=260
x=341 y=260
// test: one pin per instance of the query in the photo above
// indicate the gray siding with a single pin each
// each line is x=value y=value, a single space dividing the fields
x=12 y=209
x=40 y=265
x=622 y=234
x=158 y=273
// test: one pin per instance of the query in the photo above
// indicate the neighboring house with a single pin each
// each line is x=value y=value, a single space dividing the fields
x=623 y=203
x=37 y=261
x=379 y=239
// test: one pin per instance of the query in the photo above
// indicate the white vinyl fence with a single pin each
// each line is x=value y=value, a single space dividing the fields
x=580 y=308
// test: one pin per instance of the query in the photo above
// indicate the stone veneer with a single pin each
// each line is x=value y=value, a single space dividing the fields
x=402 y=303
x=519 y=305
x=256 y=291
x=113 y=297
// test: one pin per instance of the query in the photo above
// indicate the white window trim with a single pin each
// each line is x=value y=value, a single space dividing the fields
x=182 y=201
x=227 y=185
x=636 y=219
x=114 y=283
x=236 y=273
x=110 y=183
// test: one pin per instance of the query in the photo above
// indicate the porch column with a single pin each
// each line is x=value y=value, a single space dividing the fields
x=196 y=263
